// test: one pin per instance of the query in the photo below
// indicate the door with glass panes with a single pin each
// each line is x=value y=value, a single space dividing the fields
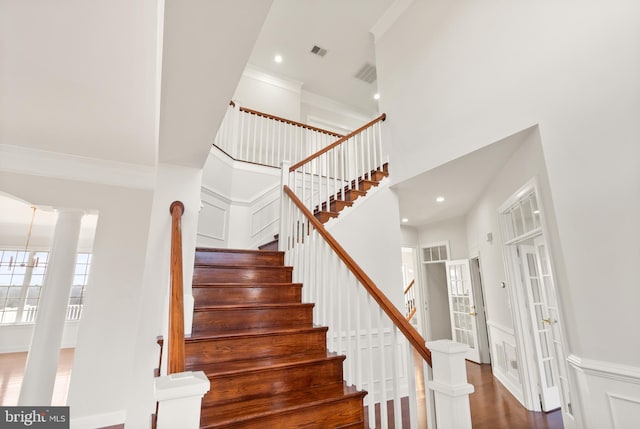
x=544 y=319
x=462 y=307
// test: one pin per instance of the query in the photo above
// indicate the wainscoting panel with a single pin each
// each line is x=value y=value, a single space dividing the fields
x=505 y=358
x=609 y=393
x=213 y=220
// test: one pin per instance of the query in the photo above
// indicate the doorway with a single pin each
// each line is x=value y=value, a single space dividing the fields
x=534 y=302
x=454 y=301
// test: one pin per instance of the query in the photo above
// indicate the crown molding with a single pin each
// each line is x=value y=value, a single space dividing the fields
x=263 y=75
x=36 y=162
x=389 y=17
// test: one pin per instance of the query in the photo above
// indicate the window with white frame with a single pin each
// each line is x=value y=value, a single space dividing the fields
x=22 y=276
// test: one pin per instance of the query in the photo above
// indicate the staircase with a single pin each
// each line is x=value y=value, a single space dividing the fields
x=255 y=340
x=345 y=197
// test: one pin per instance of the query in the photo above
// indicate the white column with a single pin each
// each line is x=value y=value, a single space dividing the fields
x=42 y=360
x=450 y=385
x=179 y=399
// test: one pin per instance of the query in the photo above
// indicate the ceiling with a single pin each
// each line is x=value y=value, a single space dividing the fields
x=341 y=27
x=461 y=182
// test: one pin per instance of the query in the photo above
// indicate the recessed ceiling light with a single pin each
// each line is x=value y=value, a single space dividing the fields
x=440 y=199
x=405 y=220
x=536 y=212
x=278 y=59
x=376 y=96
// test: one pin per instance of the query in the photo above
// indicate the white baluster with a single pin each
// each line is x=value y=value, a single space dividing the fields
x=396 y=372
x=384 y=418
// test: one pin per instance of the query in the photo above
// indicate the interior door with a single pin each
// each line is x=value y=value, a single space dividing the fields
x=542 y=323
x=462 y=307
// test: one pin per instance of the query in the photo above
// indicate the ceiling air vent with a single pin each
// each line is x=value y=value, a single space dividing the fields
x=321 y=52
x=367 y=73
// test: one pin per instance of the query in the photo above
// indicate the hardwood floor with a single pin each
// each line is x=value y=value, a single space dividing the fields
x=493 y=407
x=12 y=370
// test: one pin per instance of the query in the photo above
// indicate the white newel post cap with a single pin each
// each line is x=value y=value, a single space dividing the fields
x=180 y=398
x=449 y=385
x=448 y=358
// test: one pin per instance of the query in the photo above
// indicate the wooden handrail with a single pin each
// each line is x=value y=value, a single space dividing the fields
x=176 y=353
x=410 y=286
x=338 y=142
x=387 y=306
x=286 y=121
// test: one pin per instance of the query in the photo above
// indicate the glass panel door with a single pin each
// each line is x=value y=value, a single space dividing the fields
x=542 y=322
x=462 y=307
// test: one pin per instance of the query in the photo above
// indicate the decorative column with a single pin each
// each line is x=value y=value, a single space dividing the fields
x=179 y=399
x=450 y=385
x=42 y=360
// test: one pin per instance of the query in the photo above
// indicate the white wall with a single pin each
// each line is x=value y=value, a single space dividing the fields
x=472 y=73
x=409 y=236
x=260 y=91
x=452 y=230
x=152 y=297
x=370 y=232
x=240 y=203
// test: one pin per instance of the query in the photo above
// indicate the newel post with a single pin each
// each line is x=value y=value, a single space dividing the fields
x=450 y=385
x=176 y=307
x=284 y=180
x=179 y=394
x=179 y=399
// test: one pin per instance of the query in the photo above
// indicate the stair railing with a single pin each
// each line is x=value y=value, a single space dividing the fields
x=334 y=171
x=261 y=138
x=176 y=354
x=410 y=300
x=363 y=323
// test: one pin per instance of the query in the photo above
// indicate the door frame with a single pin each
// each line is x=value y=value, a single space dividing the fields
x=525 y=348
x=484 y=342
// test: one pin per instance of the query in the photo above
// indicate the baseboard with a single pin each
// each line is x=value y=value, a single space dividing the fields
x=98 y=420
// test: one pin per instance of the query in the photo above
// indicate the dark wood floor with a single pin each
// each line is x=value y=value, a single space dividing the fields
x=493 y=407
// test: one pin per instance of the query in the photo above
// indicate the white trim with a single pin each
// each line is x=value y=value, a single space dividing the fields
x=603 y=369
x=501 y=327
x=37 y=162
x=389 y=17
x=256 y=199
x=213 y=193
x=615 y=421
x=224 y=227
x=243 y=165
x=263 y=75
x=331 y=105
x=434 y=244
x=99 y=420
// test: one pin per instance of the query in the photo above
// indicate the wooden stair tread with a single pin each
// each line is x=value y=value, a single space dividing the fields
x=245 y=251
x=256 y=408
x=251 y=307
x=256 y=332
x=241 y=366
x=241 y=267
x=246 y=285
